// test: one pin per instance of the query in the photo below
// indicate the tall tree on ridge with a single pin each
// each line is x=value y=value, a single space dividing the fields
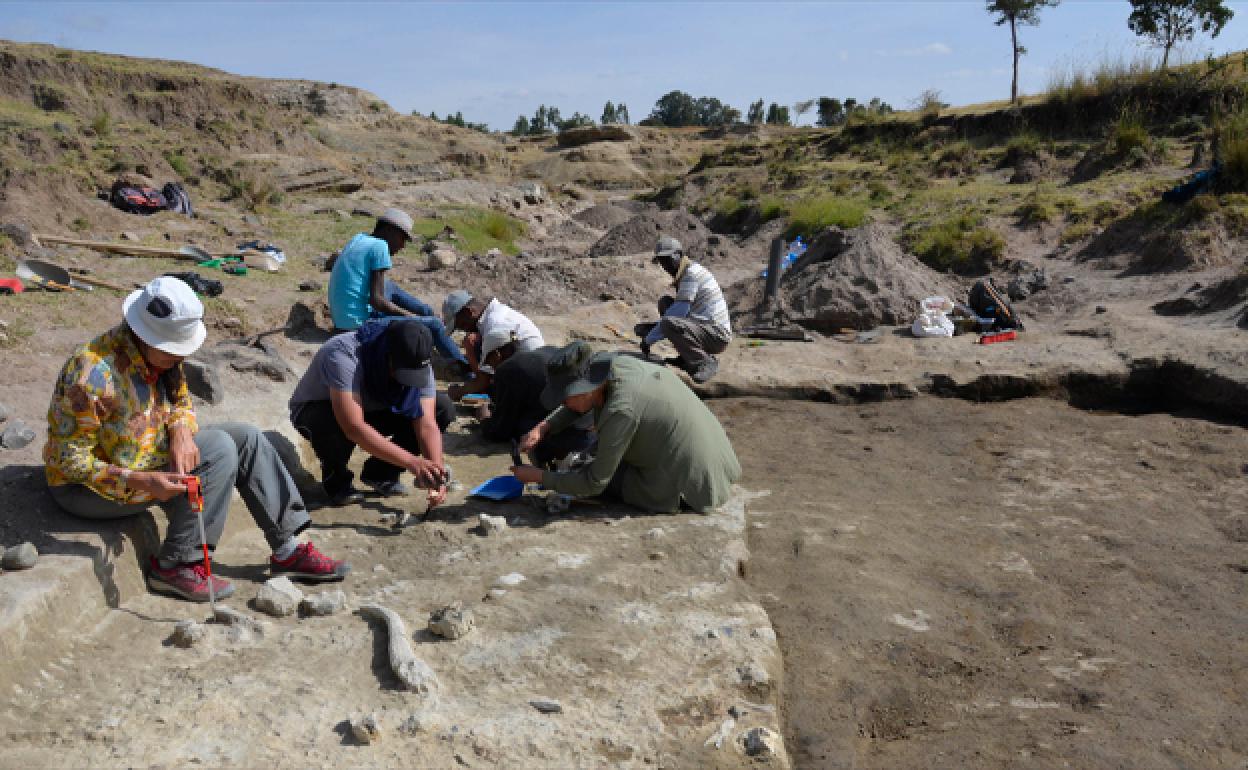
x=1169 y=22
x=1014 y=13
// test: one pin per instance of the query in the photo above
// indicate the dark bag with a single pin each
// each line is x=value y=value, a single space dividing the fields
x=137 y=200
x=177 y=199
x=200 y=285
x=989 y=302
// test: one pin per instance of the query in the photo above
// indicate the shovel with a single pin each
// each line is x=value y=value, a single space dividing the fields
x=58 y=274
x=45 y=275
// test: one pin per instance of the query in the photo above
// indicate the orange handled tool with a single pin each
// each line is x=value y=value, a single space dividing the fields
x=195 y=493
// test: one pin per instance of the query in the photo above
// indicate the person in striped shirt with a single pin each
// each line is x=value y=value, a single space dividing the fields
x=696 y=320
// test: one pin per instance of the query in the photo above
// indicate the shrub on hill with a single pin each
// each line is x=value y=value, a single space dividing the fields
x=959 y=244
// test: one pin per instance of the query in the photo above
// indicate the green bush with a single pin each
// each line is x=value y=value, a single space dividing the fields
x=1129 y=137
x=1077 y=232
x=102 y=125
x=1035 y=210
x=957 y=159
x=1231 y=140
x=1022 y=147
x=961 y=244
x=179 y=164
x=772 y=208
x=251 y=187
x=810 y=216
x=49 y=97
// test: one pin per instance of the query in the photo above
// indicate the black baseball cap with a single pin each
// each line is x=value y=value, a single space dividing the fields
x=411 y=346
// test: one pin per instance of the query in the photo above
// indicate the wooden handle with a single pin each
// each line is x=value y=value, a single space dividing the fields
x=98 y=282
x=115 y=248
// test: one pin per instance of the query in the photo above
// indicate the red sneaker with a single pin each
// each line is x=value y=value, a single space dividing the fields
x=186 y=581
x=307 y=563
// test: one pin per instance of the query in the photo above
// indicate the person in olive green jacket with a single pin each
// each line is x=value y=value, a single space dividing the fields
x=659 y=447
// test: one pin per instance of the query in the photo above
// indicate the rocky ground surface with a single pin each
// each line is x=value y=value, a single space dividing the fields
x=941 y=553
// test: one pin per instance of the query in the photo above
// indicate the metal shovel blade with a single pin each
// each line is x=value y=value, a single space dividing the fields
x=197 y=253
x=45 y=275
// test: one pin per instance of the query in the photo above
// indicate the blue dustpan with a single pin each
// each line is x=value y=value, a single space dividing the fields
x=499 y=488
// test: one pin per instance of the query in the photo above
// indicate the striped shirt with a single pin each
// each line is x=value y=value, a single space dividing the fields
x=706 y=302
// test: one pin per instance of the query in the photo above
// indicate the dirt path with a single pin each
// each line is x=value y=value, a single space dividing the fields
x=1019 y=584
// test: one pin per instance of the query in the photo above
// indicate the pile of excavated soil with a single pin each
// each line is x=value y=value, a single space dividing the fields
x=1230 y=294
x=1136 y=246
x=850 y=279
x=605 y=216
x=640 y=233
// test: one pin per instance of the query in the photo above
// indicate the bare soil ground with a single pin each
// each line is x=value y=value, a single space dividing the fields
x=993 y=585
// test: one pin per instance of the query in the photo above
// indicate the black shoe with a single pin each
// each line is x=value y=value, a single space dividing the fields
x=705 y=372
x=348 y=496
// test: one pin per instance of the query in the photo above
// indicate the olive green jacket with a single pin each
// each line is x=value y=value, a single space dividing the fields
x=659 y=435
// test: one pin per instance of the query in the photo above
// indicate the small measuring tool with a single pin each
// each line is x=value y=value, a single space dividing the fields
x=195 y=493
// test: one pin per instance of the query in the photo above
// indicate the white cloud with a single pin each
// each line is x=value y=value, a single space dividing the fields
x=931 y=49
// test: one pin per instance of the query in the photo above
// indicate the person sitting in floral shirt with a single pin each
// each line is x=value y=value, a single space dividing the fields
x=122 y=435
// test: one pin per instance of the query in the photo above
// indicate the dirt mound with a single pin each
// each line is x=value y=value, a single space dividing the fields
x=639 y=234
x=605 y=216
x=1229 y=294
x=851 y=279
x=1145 y=243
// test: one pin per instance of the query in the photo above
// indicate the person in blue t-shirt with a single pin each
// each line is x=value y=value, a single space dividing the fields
x=359 y=289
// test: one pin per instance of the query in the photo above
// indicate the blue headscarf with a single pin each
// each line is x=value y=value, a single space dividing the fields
x=374 y=356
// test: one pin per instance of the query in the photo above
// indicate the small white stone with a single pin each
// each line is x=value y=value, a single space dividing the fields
x=188 y=633
x=366 y=729
x=655 y=534
x=325 y=603
x=379 y=568
x=278 y=597
x=451 y=621
x=21 y=556
x=491 y=525
x=496 y=593
x=509 y=581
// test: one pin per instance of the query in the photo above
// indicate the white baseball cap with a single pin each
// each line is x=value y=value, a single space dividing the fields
x=167 y=315
x=399 y=219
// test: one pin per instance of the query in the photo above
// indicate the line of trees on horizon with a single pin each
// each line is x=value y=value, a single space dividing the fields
x=1163 y=23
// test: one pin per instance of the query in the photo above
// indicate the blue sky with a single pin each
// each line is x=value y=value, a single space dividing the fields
x=496 y=60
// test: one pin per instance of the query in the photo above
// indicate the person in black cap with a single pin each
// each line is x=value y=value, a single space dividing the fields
x=516 y=405
x=374 y=387
x=659 y=447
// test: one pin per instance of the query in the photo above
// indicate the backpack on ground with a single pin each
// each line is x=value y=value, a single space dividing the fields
x=136 y=199
x=176 y=199
x=989 y=302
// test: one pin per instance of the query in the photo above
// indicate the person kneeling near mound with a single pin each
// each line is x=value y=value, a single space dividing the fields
x=659 y=447
x=122 y=435
x=363 y=387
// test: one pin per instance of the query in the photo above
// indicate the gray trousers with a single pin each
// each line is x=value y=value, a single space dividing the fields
x=695 y=340
x=232 y=455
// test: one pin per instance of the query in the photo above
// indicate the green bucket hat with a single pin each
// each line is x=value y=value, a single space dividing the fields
x=574 y=369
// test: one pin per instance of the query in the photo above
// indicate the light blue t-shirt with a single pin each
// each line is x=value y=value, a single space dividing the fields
x=350 y=281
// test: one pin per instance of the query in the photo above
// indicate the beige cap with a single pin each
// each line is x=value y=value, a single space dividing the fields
x=399 y=219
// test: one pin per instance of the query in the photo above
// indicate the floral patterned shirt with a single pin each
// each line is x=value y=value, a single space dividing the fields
x=107 y=414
